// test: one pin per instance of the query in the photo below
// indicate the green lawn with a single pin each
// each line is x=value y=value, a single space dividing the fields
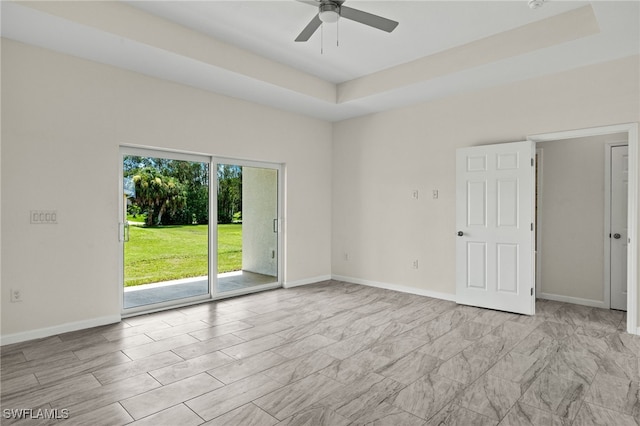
x=172 y=252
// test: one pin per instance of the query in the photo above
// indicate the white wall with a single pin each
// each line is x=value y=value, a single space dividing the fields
x=378 y=160
x=571 y=212
x=63 y=120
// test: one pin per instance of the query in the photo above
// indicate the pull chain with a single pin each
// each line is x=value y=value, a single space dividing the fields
x=322 y=37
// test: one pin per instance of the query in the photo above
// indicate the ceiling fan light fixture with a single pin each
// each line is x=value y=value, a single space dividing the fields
x=536 y=4
x=329 y=13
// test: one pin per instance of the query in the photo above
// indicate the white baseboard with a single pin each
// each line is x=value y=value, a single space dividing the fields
x=39 y=333
x=575 y=300
x=306 y=281
x=396 y=287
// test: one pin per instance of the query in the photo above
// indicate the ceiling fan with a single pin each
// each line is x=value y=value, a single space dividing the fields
x=331 y=10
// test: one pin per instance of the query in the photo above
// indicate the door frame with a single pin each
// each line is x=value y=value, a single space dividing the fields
x=213 y=263
x=632 y=213
x=538 y=218
x=607 y=220
x=213 y=161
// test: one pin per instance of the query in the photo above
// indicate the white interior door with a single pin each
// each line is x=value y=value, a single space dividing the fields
x=494 y=219
x=619 y=190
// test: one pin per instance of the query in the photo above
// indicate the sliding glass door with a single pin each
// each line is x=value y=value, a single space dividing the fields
x=170 y=254
x=248 y=243
x=164 y=228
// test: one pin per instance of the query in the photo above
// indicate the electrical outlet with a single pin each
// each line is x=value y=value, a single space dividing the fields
x=16 y=295
x=435 y=194
x=414 y=265
x=415 y=194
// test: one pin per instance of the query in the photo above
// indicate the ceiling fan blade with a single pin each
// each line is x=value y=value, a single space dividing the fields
x=309 y=29
x=310 y=2
x=369 y=19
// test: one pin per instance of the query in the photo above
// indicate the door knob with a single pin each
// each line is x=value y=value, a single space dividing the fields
x=616 y=236
x=460 y=233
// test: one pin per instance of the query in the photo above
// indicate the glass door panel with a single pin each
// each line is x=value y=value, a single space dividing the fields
x=165 y=219
x=248 y=227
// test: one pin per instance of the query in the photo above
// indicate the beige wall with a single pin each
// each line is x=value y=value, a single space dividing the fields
x=571 y=212
x=378 y=160
x=63 y=120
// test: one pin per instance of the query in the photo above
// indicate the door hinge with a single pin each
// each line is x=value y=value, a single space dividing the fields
x=532 y=291
x=531 y=162
x=531 y=226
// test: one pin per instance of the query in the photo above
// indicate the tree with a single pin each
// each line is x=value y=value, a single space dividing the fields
x=157 y=194
x=195 y=177
x=229 y=192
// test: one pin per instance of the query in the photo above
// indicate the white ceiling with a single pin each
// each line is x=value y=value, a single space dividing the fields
x=268 y=28
x=428 y=31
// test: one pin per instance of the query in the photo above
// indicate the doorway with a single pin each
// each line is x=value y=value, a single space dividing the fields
x=468 y=161
x=631 y=131
x=574 y=221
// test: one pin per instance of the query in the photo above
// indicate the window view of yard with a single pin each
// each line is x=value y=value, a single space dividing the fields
x=163 y=253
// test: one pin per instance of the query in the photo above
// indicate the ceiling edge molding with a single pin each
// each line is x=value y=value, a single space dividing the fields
x=132 y=24
x=548 y=32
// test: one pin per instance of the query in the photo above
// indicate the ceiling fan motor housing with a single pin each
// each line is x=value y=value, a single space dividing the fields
x=329 y=12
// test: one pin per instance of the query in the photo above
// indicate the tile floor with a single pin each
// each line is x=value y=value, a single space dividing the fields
x=334 y=354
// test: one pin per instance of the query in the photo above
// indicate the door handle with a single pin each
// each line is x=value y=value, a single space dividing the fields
x=124 y=232
x=460 y=233
x=617 y=236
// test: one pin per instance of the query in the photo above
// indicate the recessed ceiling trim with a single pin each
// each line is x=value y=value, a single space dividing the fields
x=552 y=31
x=133 y=39
x=129 y=23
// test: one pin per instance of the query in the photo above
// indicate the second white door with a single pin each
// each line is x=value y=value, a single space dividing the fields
x=494 y=219
x=618 y=237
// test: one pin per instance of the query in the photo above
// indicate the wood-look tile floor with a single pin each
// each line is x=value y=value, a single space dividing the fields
x=334 y=354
